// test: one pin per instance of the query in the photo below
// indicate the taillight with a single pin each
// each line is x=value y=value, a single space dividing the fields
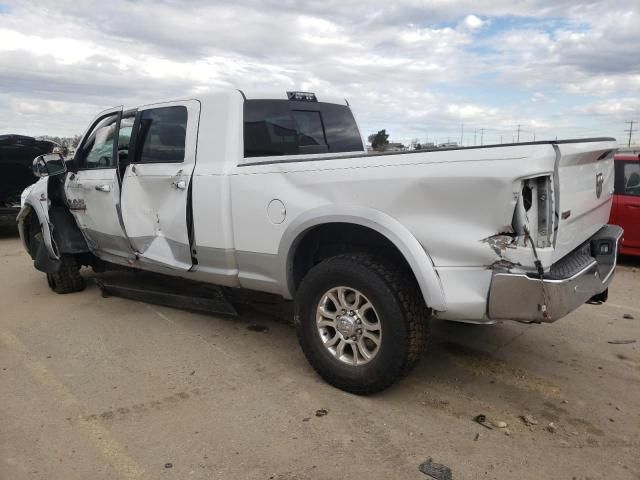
x=534 y=210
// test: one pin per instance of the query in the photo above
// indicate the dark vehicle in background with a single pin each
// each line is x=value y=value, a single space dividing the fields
x=625 y=210
x=16 y=157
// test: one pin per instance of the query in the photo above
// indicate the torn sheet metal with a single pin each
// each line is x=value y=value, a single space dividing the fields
x=500 y=242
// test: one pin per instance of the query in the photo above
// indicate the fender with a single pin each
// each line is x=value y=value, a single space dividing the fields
x=416 y=256
x=47 y=258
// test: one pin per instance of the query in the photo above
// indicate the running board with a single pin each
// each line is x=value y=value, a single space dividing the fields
x=159 y=297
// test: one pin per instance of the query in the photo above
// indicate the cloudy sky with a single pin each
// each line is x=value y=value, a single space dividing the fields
x=433 y=70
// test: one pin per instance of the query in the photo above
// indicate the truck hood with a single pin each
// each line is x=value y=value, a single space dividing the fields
x=16 y=156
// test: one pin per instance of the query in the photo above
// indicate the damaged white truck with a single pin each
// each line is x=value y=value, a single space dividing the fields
x=277 y=194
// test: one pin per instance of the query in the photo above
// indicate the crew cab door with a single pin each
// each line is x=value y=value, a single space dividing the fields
x=92 y=190
x=155 y=199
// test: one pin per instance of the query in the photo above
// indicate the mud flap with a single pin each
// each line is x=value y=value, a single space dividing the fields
x=44 y=262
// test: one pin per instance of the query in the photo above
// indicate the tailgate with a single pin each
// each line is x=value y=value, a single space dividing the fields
x=585 y=176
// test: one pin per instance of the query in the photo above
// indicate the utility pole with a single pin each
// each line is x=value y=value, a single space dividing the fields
x=630 y=130
x=474 y=136
x=481 y=136
x=518 y=141
x=461 y=133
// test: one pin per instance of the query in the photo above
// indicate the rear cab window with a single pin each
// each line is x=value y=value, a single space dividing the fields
x=290 y=127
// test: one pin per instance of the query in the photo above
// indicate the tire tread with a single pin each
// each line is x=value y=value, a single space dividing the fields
x=68 y=279
x=403 y=286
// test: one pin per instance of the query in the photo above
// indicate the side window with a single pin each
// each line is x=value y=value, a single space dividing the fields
x=97 y=151
x=161 y=135
x=631 y=178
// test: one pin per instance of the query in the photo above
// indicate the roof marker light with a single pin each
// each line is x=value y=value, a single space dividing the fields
x=302 y=96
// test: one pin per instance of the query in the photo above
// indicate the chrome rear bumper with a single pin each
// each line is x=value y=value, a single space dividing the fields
x=580 y=276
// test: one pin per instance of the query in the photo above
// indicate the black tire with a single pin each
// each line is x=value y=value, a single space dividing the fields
x=402 y=313
x=68 y=279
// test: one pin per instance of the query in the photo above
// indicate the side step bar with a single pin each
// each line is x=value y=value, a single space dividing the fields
x=162 y=297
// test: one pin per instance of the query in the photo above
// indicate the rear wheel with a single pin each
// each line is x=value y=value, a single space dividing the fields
x=68 y=278
x=361 y=322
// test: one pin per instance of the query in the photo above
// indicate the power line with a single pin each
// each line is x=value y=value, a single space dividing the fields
x=630 y=130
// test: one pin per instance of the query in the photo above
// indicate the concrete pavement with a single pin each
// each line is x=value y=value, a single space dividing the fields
x=107 y=388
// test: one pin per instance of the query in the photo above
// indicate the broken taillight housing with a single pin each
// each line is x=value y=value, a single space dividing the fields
x=534 y=210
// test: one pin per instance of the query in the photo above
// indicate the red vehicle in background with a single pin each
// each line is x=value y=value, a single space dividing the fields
x=625 y=210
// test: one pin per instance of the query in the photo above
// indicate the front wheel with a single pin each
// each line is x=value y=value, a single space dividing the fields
x=68 y=278
x=361 y=322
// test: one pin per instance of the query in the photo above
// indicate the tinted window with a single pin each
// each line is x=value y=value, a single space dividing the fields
x=268 y=129
x=162 y=133
x=309 y=125
x=632 y=178
x=284 y=127
x=97 y=150
x=341 y=129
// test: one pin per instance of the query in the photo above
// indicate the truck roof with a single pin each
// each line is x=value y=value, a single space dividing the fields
x=247 y=95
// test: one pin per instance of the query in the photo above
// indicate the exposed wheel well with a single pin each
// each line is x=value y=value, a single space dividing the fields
x=329 y=239
x=31 y=227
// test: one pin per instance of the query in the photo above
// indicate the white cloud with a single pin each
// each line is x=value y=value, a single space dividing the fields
x=473 y=23
x=412 y=67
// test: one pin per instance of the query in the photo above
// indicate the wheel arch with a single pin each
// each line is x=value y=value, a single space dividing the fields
x=382 y=224
x=60 y=233
x=46 y=258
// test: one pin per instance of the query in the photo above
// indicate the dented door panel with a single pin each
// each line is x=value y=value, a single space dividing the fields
x=155 y=188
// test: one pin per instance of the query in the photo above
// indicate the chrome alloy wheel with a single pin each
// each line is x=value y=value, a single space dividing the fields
x=348 y=325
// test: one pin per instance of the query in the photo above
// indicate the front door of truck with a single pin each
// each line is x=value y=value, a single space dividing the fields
x=92 y=190
x=156 y=183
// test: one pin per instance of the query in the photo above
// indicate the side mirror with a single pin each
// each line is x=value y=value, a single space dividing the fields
x=49 y=165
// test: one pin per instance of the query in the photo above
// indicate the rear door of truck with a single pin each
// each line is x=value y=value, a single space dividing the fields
x=156 y=183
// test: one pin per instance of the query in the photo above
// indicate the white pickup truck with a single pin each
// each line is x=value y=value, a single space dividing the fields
x=277 y=194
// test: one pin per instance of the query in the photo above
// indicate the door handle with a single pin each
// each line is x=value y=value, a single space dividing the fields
x=180 y=185
x=103 y=188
